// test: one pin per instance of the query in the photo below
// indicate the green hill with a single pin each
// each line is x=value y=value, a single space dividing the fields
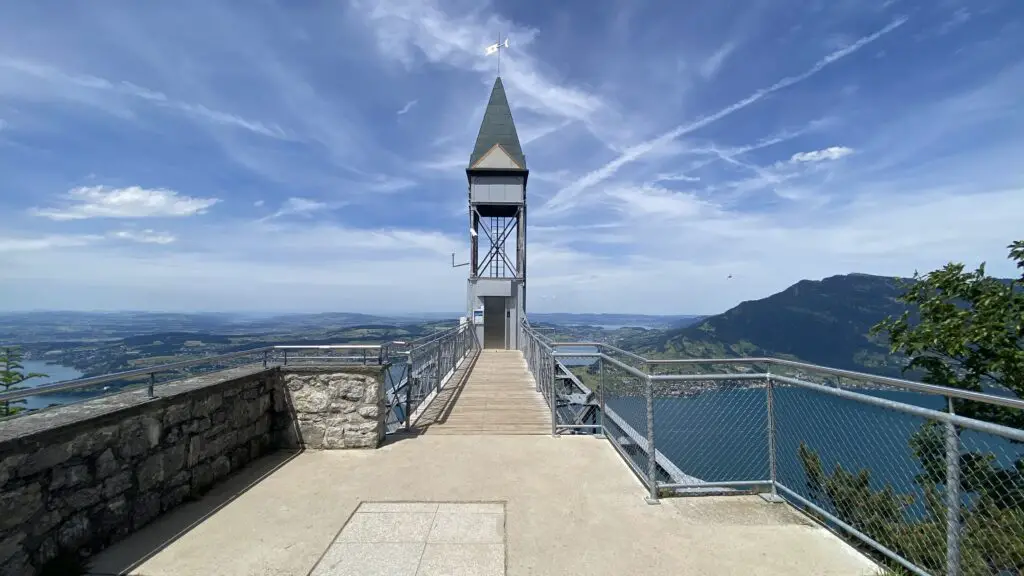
x=824 y=322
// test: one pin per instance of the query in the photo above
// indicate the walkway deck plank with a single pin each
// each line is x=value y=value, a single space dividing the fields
x=498 y=397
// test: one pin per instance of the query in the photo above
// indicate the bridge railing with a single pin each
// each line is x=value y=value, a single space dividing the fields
x=149 y=377
x=539 y=353
x=420 y=369
x=927 y=478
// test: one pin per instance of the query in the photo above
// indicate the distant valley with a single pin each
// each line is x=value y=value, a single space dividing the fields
x=823 y=321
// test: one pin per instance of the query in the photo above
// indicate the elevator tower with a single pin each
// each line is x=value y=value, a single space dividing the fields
x=497 y=174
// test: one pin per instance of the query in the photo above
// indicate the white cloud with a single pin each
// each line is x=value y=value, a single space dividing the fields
x=146 y=236
x=3 y=124
x=258 y=203
x=408 y=106
x=832 y=153
x=297 y=207
x=14 y=244
x=131 y=202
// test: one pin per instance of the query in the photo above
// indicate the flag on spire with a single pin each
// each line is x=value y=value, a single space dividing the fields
x=497 y=46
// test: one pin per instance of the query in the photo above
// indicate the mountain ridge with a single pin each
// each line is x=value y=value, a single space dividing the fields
x=823 y=321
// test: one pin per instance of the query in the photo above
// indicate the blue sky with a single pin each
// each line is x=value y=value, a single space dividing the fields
x=310 y=156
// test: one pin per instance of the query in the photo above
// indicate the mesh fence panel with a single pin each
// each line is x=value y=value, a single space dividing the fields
x=625 y=414
x=992 y=504
x=712 y=430
x=864 y=463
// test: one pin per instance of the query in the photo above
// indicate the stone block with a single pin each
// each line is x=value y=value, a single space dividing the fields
x=81 y=499
x=9 y=467
x=48 y=456
x=146 y=508
x=174 y=496
x=221 y=467
x=117 y=484
x=177 y=413
x=179 y=479
x=207 y=406
x=46 y=521
x=11 y=545
x=19 y=505
x=74 y=532
x=106 y=464
x=174 y=459
x=151 y=472
x=202 y=477
x=69 y=476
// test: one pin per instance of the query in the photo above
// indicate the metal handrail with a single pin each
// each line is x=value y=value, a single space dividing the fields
x=887 y=380
x=151 y=371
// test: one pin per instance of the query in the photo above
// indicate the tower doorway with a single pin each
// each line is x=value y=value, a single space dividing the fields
x=494 y=322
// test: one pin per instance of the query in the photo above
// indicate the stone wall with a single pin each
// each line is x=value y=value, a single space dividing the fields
x=330 y=409
x=81 y=477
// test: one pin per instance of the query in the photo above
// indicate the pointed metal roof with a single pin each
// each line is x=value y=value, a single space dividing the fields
x=498 y=128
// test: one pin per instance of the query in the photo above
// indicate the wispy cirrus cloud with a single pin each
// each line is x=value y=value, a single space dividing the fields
x=408 y=106
x=565 y=196
x=63 y=84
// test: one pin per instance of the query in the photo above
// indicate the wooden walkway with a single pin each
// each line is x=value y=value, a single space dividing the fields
x=498 y=396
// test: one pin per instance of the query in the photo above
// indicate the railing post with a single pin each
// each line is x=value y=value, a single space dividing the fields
x=652 y=453
x=600 y=398
x=952 y=496
x=285 y=357
x=152 y=383
x=773 y=496
x=265 y=352
x=551 y=385
x=408 y=395
x=437 y=366
x=534 y=362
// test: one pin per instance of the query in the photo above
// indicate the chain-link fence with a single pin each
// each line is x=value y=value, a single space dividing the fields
x=928 y=480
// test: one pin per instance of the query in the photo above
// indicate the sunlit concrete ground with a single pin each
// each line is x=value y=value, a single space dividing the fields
x=569 y=505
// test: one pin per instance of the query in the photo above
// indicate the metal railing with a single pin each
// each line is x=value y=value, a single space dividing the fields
x=151 y=376
x=892 y=464
x=420 y=369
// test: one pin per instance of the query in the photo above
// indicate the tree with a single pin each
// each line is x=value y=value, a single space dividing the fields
x=962 y=330
x=12 y=376
x=968 y=333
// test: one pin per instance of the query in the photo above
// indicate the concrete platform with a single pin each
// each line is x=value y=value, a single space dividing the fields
x=571 y=506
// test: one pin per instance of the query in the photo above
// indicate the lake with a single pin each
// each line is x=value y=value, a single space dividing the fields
x=54 y=373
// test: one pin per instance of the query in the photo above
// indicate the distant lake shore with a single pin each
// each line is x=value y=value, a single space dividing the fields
x=54 y=373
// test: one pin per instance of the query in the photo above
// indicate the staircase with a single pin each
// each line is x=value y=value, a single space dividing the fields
x=498 y=397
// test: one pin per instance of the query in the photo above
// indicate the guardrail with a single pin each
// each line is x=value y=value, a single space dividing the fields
x=891 y=463
x=351 y=354
x=420 y=369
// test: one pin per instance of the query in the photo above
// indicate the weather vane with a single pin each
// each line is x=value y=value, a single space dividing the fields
x=496 y=47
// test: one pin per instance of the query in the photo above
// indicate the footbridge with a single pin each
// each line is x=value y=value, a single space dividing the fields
x=490 y=448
